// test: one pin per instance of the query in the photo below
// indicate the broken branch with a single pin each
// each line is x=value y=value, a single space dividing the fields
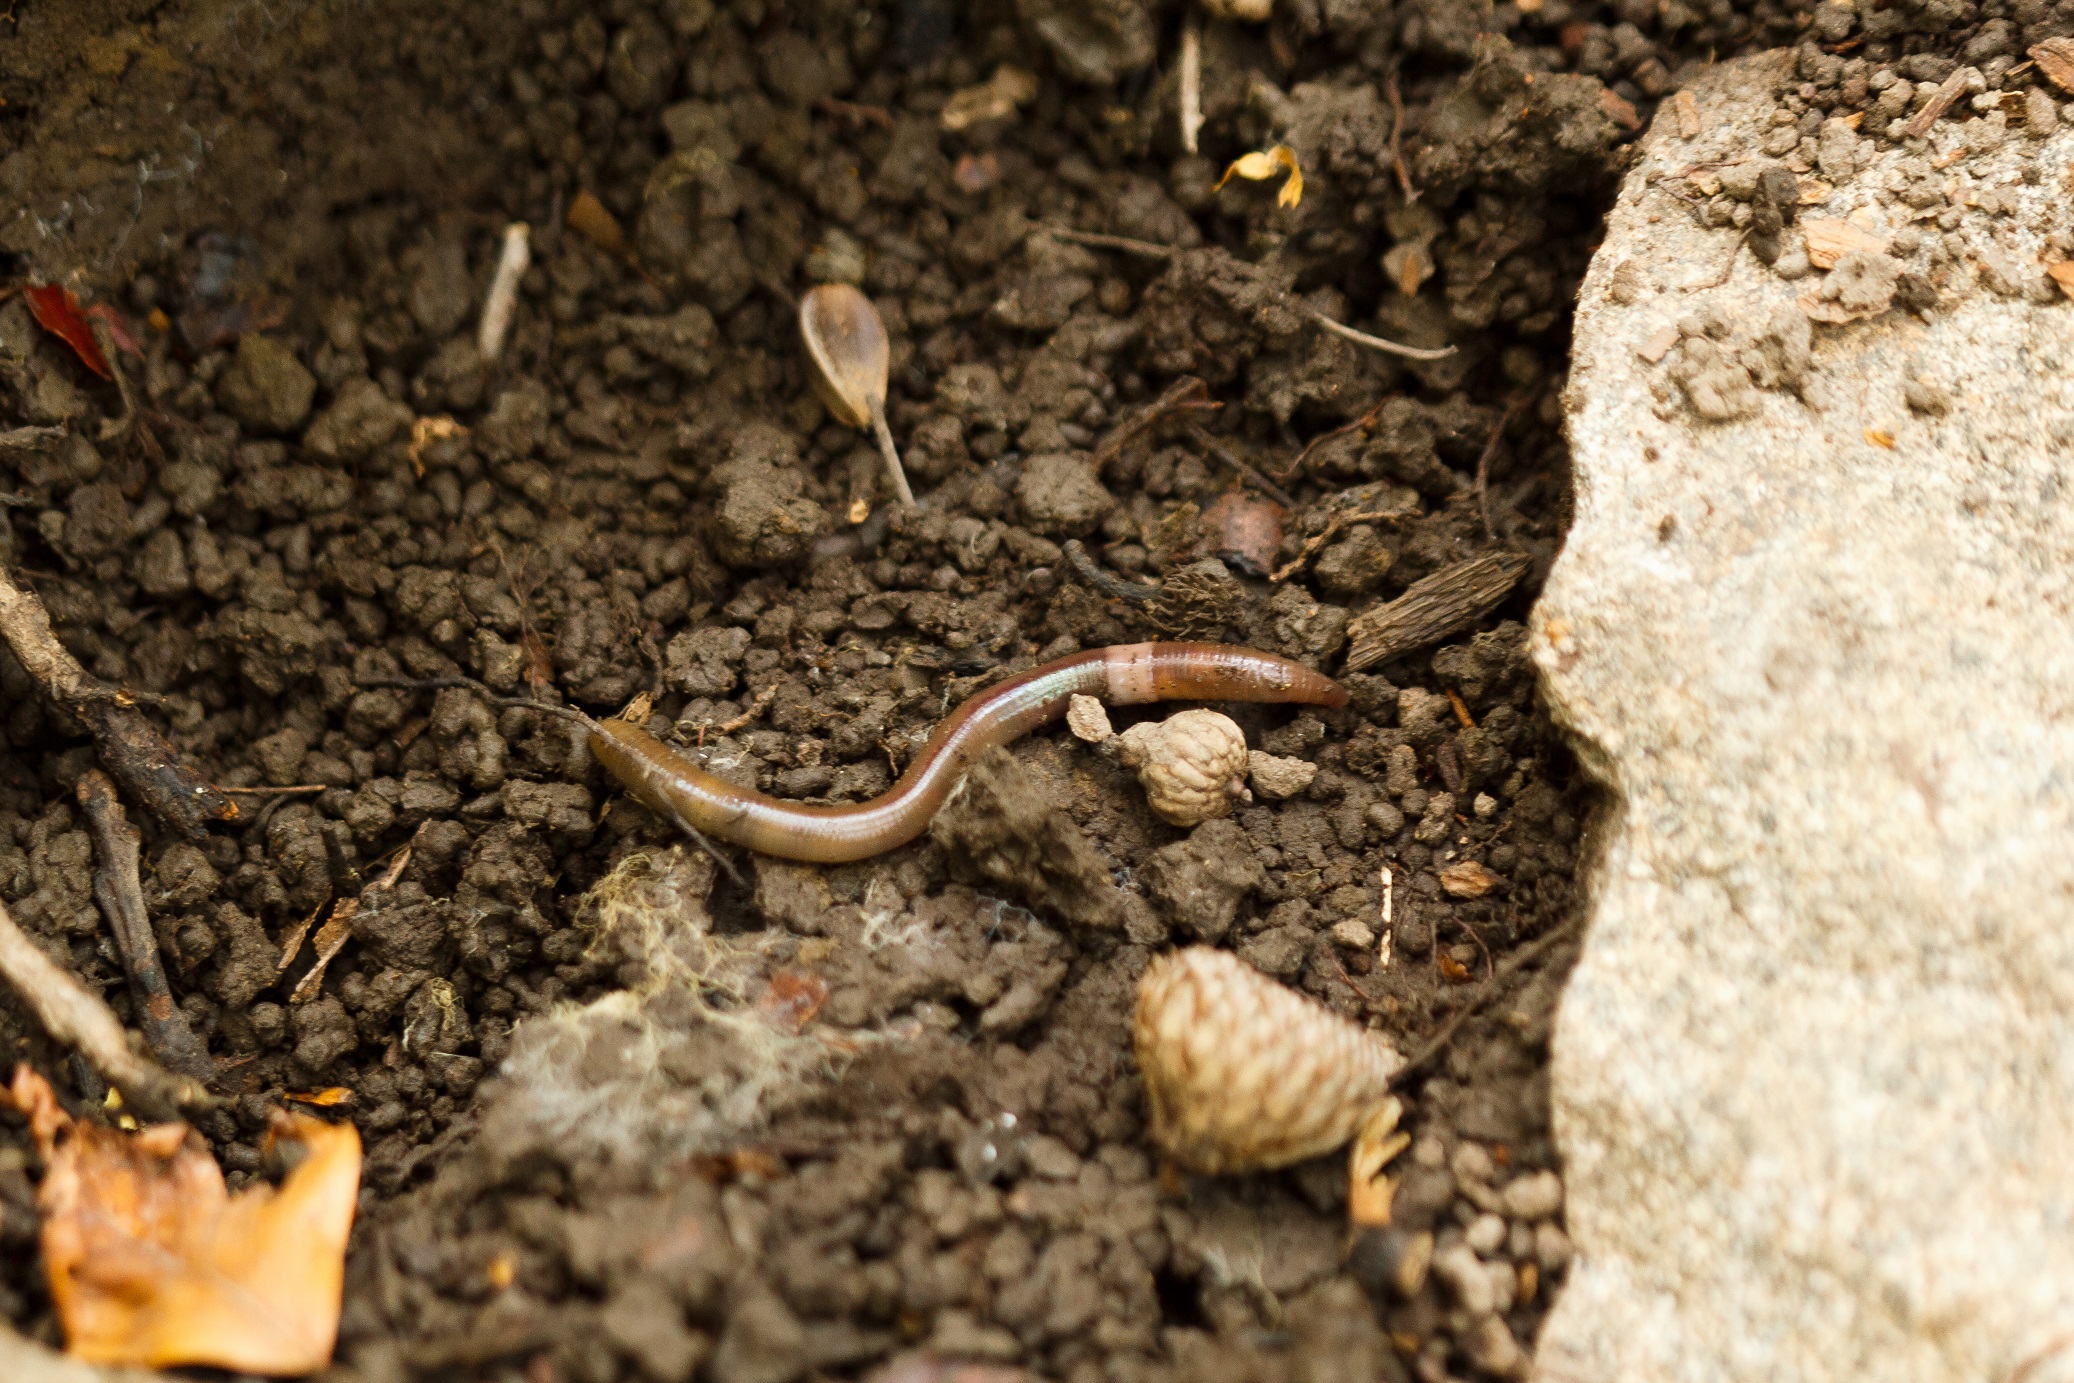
x=75 y=1016
x=133 y=751
x=120 y=892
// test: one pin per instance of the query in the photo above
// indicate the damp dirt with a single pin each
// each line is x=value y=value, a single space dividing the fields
x=629 y=1116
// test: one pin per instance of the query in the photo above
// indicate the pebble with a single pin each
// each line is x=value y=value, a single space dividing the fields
x=1535 y=1196
x=1353 y=934
x=1458 y=1266
x=1489 y=1346
x=1486 y=1233
x=1472 y=1162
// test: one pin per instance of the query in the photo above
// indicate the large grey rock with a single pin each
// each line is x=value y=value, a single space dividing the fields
x=1814 y=630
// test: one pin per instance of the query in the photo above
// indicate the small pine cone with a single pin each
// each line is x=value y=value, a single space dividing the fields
x=1192 y=764
x=1243 y=1074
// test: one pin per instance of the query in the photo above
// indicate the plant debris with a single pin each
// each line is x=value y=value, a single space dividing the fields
x=1263 y=164
x=151 y=1262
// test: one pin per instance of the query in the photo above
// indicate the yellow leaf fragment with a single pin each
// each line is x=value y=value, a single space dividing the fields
x=1880 y=437
x=1369 y=1192
x=1263 y=164
x=152 y=1263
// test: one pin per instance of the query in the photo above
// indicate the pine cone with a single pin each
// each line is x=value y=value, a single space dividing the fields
x=1243 y=1074
x=1192 y=764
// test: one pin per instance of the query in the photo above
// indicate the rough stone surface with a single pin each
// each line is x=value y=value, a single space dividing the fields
x=1812 y=1079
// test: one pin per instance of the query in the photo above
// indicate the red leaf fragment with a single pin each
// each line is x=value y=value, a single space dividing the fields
x=57 y=312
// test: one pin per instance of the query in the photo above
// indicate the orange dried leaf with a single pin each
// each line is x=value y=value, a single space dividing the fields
x=324 y=1099
x=1262 y=164
x=2063 y=275
x=153 y=1264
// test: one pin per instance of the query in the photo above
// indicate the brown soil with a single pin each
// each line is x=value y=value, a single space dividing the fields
x=812 y=1120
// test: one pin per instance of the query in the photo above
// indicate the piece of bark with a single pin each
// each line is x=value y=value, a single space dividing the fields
x=133 y=751
x=75 y=1016
x=119 y=889
x=1444 y=603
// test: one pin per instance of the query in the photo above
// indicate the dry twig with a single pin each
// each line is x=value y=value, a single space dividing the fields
x=119 y=890
x=1493 y=985
x=132 y=750
x=75 y=1016
x=1219 y=452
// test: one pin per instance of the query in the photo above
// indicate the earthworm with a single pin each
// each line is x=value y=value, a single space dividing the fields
x=1129 y=674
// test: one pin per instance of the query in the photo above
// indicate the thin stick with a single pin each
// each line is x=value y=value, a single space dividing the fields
x=1219 y=452
x=1184 y=393
x=75 y=1016
x=1112 y=242
x=300 y=789
x=1483 y=463
x=1378 y=343
x=134 y=752
x=502 y=300
x=1512 y=965
x=1191 y=81
x=1332 y=530
x=1289 y=471
x=895 y=472
x=119 y=890
x=1396 y=97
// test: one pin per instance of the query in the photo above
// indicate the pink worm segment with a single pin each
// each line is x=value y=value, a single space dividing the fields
x=1129 y=674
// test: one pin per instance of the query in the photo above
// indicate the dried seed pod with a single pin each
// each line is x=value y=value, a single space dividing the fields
x=847 y=343
x=1243 y=1074
x=1192 y=764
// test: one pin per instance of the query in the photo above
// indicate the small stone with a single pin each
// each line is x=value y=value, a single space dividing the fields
x=1392 y=1260
x=1490 y=1347
x=265 y=387
x=1386 y=818
x=1061 y=494
x=1551 y=1247
x=1485 y=806
x=1458 y=1266
x=1437 y=821
x=1472 y=1163
x=1401 y=773
x=1088 y=719
x=1486 y=1233
x=1275 y=777
x=361 y=419
x=1353 y=934
x=1536 y=1196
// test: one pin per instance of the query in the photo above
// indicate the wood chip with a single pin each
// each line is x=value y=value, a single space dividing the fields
x=1686 y=107
x=589 y=219
x=2063 y=275
x=1954 y=87
x=1444 y=603
x=1658 y=343
x=1830 y=239
x=2055 y=58
x=1468 y=879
